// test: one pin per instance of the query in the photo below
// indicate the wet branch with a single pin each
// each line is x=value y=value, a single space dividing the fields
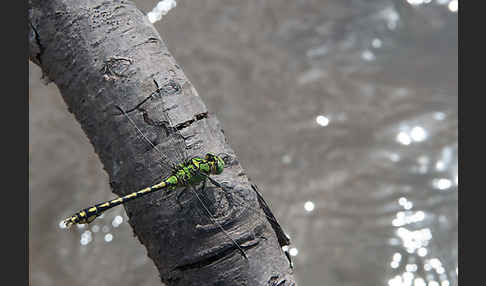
x=105 y=55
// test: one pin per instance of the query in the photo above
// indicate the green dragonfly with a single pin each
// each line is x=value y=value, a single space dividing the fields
x=185 y=173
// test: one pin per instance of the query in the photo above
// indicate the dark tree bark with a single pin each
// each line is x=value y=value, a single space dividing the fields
x=104 y=54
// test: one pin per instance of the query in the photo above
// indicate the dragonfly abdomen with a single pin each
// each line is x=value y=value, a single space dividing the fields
x=89 y=214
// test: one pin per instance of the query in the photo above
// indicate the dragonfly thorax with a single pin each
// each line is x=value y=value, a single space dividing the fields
x=197 y=169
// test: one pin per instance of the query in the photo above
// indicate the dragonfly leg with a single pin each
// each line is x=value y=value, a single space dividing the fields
x=227 y=190
x=219 y=185
x=203 y=188
x=178 y=198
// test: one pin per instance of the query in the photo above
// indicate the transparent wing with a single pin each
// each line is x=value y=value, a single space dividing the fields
x=175 y=139
x=174 y=142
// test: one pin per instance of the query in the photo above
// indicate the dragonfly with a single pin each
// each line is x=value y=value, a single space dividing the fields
x=186 y=173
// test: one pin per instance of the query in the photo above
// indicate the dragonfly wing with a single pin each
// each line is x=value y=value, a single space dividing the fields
x=175 y=140
x=174 y=144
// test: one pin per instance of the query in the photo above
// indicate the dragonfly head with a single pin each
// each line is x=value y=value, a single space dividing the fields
x=218 y=163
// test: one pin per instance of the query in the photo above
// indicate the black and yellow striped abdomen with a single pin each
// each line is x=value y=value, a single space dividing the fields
x=89 y=214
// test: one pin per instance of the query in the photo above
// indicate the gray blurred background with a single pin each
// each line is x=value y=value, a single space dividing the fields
x=343 y=112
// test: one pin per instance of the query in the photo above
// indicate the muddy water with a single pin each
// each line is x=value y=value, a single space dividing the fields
x=343 y=112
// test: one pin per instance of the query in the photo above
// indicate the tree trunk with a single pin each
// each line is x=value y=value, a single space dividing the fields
x=106 y=54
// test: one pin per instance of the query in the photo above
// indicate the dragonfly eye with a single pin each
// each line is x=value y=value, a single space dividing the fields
x=218 y=163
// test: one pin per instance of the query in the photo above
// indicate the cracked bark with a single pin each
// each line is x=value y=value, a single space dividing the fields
x=104 y=54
